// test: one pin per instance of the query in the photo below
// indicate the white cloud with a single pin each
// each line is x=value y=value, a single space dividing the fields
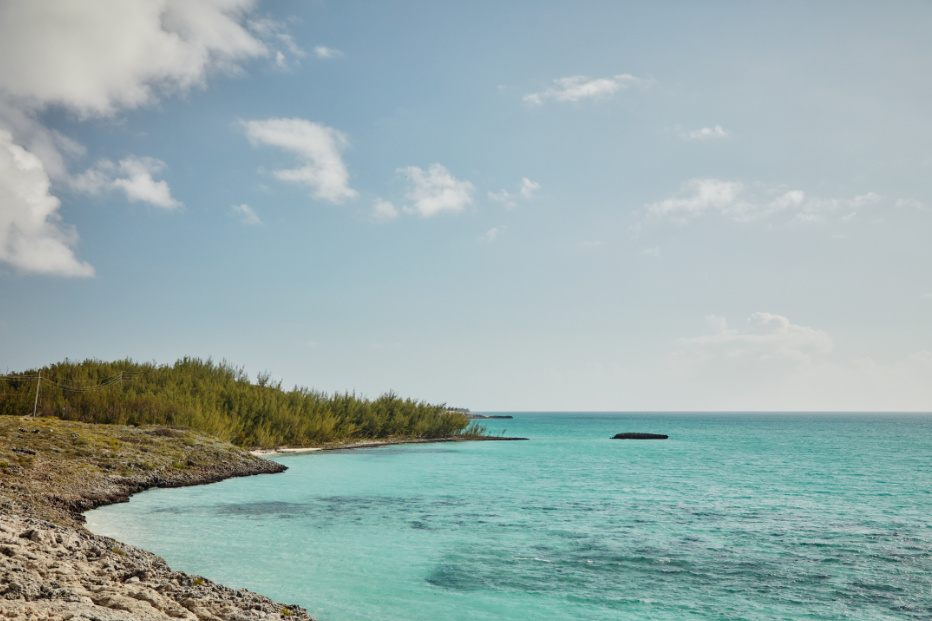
x=95 y=59
x=32 y=238
x=909 y=203
x=491 y=235
x=763 y=336
x=139 y=185
x=103 y=56
x=702 y=196
x=435 y=191
x=734 y=200
x=652 y=252
x=504 y=196
x=526 y=191
x=706 y=133
x=528 y=188
x=773 y=364
x=383 y=211
x=576 y=88
x=327 y=52
x=273 y=35
x=246 y=214
x=133 y=176
x=291 y=45
x=318 y=150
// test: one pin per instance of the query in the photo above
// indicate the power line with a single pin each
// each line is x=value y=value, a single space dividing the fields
x=107 y=381
x=104 y=383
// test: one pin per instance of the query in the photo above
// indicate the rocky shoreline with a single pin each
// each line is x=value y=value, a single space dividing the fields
x=56 y=572
x=52 y=568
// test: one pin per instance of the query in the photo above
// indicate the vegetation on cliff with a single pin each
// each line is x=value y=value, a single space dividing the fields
x=219 y=399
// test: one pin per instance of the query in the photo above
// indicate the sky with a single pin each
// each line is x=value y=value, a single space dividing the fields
x=511 y=206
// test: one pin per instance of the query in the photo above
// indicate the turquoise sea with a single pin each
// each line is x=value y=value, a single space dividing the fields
x=736 y=516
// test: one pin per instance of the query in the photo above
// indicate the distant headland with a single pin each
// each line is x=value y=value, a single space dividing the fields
x=465 y=412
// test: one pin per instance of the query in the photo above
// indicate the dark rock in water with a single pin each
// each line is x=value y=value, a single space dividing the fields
x=640 y=436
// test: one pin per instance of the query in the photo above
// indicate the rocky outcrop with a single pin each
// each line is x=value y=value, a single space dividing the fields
x=60 y=573
x=124 y=487
x=52 y=568
x=54 y=470
x=639 y=436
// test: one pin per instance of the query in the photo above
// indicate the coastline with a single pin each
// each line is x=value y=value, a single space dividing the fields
x=343 y=446
x=51 y=567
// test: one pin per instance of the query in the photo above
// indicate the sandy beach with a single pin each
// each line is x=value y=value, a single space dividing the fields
x=342 y=446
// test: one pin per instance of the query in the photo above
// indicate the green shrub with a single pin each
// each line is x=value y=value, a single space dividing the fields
x=219 y=399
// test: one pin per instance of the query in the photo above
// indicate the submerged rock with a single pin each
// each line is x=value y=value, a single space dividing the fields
x=639 y=436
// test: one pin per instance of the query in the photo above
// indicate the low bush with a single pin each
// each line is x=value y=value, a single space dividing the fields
x=219 y=399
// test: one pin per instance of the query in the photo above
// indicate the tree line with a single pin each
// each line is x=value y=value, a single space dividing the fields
x=219 y=399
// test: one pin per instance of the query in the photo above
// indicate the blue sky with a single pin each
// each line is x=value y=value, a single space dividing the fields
x=503 y=206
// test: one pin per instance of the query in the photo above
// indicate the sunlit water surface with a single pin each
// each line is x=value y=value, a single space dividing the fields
x=734 y=517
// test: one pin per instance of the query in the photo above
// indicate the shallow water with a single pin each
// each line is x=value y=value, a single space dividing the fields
x=734 y=517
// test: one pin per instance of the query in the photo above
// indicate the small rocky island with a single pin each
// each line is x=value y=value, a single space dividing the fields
x=639 y=436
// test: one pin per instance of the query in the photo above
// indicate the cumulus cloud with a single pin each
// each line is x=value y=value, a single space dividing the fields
x=771 y=363
x=734 y=200
x=327 y=52
x=579 y=87
x=139 y=185
x=246 y=214
x=526 y=191
x=99 y=57
x=32 y=237
x=383 y=211
x=764 y=336
x=95 y=59
x=133 y=176
x=317 y=148
x=706 y=133
x=491 y=235
x=435 y=191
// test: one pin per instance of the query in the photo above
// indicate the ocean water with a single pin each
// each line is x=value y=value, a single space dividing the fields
x=734 y=517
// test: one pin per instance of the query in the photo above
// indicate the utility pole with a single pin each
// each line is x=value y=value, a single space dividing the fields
x=36 y=404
